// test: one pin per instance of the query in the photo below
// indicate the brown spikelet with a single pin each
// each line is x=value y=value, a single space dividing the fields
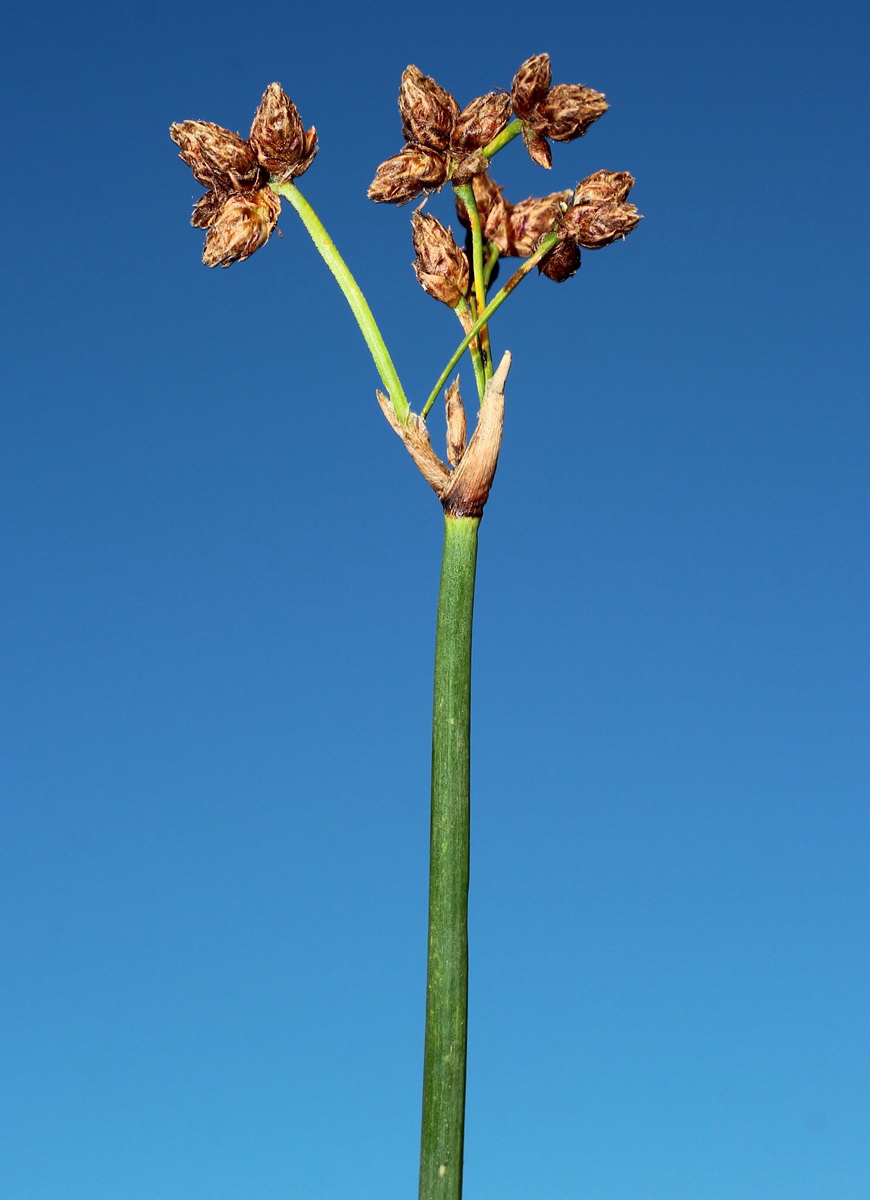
x=243 y=224
x=531 y=219
x=215 y=154
x=277 y=137
x=599 y=214
x=207 y=208
x=561 y=263
x=440 y=266
x=567 y=111
x=531 y=84
x=407 y=174
x=480 y=121
x=428 y=110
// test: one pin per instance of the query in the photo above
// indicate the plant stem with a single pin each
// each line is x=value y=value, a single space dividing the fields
x=352 y=293
x=447 y=975
x=501 y=140
x=465 y=192
x=466 y=320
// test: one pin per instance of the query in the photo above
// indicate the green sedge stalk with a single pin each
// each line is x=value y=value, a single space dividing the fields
x=496 y=302
x=465 y=192
x=443 y=1124
x=466 y=319
x=501 y=140
x=352 y=293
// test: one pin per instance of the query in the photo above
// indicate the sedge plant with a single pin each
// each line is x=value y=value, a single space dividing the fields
x=246 y=180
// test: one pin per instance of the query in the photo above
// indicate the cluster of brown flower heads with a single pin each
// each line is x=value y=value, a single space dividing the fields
x=443 y=143
x=238 y=209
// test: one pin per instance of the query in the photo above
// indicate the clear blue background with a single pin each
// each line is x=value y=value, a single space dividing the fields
x=220 y=572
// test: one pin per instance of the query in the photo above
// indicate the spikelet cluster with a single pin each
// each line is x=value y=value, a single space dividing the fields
x=441 y=142
x=238 y=209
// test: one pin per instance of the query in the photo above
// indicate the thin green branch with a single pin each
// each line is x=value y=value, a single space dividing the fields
x=501 y=140
x=352 y=293
x=496 y=302
x=465 y=192
x=463 y=311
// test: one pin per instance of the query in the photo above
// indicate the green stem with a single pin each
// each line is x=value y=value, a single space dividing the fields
x=447 y=976
x=507 y=135
x=352 y=293
x=465 y=192
x=464 y=313
x=498 y=299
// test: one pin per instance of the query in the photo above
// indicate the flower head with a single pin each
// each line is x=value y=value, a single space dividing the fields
x=563 y=112
x=441 y=266
x=598 y=213
x=441 y=142
x=238 y=209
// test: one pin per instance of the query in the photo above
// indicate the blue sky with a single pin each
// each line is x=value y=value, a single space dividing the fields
x=218 y=608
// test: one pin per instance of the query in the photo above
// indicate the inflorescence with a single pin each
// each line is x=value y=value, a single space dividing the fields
x=443 y=143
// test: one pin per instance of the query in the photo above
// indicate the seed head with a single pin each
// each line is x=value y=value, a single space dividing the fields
x=216 y=155
x=531 y=84
x=568 y=111
x=281 y=144
x=414 y=170
x=242 y=225
x=563 y=112
x=531 y=219
x=598 y=213
x=479 y=122
x=428 y=111
x=441 y=267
